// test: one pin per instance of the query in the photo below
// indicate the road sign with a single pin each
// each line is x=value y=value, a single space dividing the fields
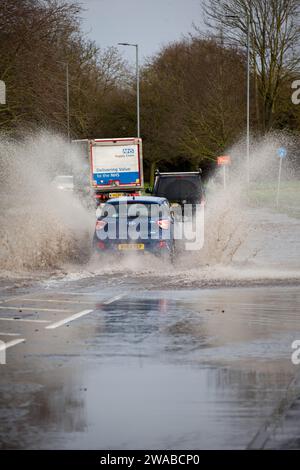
x=282 y=152
x=224 y=160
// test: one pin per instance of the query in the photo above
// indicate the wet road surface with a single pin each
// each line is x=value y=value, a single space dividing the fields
x=104 y=365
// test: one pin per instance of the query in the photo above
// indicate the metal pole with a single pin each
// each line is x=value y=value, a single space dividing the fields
x=279 y=180
x=138 y=92
x=68 y=100
x=137 y=84
x=248 y=98
x=224 y=176
x=248 y=91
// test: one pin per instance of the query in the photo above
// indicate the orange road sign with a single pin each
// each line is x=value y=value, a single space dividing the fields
x=224 y=160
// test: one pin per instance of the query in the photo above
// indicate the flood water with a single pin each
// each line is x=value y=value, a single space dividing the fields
x=149 y=368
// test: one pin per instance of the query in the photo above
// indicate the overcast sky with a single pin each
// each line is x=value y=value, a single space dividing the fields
x=150 y=23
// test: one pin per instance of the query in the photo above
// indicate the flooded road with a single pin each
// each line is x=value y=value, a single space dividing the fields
x=114 y=363
x=141 y=353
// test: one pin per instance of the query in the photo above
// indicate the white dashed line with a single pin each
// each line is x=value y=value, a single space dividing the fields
x=36 y=309
x=59 y=301
x=81 y=314
x=11 y=343
x=114 y=299
x=74 y=293
x=24 y=320
x=68 y=320
x=10 y=299
x=10 y=334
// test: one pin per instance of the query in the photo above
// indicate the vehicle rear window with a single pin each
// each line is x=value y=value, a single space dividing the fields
x=179 y=188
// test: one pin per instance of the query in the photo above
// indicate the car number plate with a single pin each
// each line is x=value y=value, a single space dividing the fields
x=131 y=246
x=115 y=195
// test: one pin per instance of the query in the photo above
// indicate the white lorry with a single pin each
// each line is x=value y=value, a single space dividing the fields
x=116 y=167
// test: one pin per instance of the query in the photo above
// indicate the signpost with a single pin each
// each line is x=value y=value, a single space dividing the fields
x=224 y=161
x=281 y=153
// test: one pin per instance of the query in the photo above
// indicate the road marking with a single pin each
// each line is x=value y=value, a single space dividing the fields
x=114 y=299
x=11 y=343
x=59 y=301
x=20 y=297
x=81 y=314
x=24 y=320
x=36 y=308
x=91 y=294
x=10 y=334
x=10 y=299
x=73 y=293
x=68 y=319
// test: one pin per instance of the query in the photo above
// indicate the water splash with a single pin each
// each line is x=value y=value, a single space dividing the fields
x=40 y=226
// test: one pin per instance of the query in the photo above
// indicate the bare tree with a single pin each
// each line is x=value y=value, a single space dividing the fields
x=192 y=95
x=37 y=39
x=275 y=41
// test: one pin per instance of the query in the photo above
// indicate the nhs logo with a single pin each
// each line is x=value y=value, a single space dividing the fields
x=128 y=151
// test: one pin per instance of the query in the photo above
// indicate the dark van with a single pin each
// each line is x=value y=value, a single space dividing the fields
x=179 y=187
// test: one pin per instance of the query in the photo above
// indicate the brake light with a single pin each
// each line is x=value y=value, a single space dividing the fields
x=100 y=224
x=164 y=224
x=100 y=196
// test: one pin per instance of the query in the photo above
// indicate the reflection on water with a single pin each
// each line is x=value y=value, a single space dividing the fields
x=164 y=369
x=44 y=405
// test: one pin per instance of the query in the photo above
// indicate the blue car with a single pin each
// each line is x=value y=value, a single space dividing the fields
x=135 y=224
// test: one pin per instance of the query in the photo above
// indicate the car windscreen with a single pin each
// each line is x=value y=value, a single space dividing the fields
x=179 y=188
x=134 y=209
